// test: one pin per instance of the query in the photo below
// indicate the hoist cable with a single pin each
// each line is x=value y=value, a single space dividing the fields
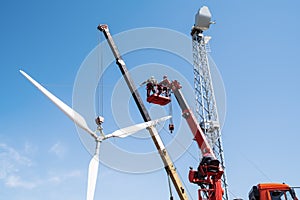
x=181 y=145
x=188 y=191
x=171 y=112
x=169 y=184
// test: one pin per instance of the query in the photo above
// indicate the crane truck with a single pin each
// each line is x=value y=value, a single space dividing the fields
x=209 y=172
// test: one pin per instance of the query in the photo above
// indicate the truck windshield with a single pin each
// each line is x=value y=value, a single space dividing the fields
x=281 y=195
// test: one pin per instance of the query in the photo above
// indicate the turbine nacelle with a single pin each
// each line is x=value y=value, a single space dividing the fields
x=99 y=120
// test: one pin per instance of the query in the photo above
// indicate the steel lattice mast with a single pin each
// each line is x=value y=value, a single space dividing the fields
x=206 y=108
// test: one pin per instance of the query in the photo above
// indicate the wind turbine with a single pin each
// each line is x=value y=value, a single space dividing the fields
x=80 y=121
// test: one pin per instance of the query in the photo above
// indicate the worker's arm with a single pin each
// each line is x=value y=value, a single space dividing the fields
x=143 y=83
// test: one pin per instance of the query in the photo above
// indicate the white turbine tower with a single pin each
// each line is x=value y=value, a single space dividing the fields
x=80 y=121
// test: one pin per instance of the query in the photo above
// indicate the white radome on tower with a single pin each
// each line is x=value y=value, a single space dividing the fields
x=203 y=18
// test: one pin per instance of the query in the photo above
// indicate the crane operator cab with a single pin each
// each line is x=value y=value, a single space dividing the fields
x=208 y=169
x=272 y=191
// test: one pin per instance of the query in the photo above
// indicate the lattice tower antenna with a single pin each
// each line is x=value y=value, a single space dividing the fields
x=206 y=108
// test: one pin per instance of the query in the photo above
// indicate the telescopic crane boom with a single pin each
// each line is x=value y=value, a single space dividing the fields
x=209 y=172
x=169 y=166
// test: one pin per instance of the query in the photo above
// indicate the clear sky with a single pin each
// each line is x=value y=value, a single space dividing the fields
x=255 y=45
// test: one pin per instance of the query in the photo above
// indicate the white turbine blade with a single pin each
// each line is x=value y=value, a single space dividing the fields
x=93 y=174
x=72 y=114
x=124 y=132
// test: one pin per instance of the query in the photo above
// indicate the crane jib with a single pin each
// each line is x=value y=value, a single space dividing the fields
x=169 y=166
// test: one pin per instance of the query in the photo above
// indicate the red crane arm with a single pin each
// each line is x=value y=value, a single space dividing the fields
x=209 y=172
x=200 y=138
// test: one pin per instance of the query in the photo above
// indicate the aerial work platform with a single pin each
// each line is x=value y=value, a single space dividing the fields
x=158 y=99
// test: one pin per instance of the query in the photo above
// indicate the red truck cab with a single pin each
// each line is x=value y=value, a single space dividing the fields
x=272 y=191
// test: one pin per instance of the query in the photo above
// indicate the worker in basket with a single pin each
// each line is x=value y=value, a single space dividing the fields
x=157 y=89
x=151 y=85
x=163 y=86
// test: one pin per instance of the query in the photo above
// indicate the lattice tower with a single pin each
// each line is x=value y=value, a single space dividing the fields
x=206 y=108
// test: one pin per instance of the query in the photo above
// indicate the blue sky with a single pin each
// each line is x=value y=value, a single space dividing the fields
x=255 y=46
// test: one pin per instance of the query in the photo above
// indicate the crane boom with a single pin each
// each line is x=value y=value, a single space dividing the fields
x=209 y=172
x=200 y=138
x=169 y=166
